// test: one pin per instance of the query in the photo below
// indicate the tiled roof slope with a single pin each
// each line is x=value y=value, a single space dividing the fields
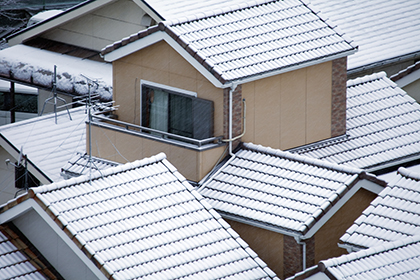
x=393 y=215
x=383 y=127
x=20 y=262
x=383 y=30
x=144 y=220
x=49 y=145
x=277 y=189
x=398 y=260
x=251 y=41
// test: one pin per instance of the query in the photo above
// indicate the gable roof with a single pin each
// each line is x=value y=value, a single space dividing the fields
x=385 y=31
x=393 y=215
x=20 y=261
x=397 y=260
x=47 y=144
x=282 y=192
x=245 y=42
x=144 y=219
x=383 y=127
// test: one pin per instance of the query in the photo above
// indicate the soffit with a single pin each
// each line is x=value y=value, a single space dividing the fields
x=383 y=126
x=278 y=189
x=144 y=219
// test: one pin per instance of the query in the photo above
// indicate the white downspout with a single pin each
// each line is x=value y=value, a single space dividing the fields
x=303 y=243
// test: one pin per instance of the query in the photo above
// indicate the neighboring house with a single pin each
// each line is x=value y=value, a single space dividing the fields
x=290 y=209
x=386 y=32
x=48 y=142
x=20 y=260
x=393 y=215
x=397 y=260
x=383 y=128
x=138 y=220
x=285 y=61
x=409 y=80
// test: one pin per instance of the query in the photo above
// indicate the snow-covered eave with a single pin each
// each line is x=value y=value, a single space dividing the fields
x=35 y=67
x=32 y=168
x=385 y=62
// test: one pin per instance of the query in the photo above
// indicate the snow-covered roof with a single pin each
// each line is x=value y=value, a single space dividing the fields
x=383 y=30
x=35 y=67
x=20 y=262
x=47 y=144
x=80 y=164
x=383 y=127
x=397 y=260
x=143 y=219
x=393 y=215
x=281 y=191
x=246 y=41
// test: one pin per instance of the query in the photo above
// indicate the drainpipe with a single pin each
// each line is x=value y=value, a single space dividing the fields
x=303 y=243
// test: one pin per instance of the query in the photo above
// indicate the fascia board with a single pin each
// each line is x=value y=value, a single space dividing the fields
x=155 y=38
x=30 y=204
x=149 y=10
x=333 y=210
x=410 y=78
x=14 y=152
x=60 y=19
x=371 y=186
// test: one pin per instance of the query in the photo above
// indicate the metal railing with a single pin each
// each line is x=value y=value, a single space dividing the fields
x=157 y=134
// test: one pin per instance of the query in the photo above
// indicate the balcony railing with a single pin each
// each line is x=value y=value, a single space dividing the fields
x=159 y=135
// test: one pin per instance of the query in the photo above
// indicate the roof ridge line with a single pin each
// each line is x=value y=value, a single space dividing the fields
x=368 y=78
x=409 y=174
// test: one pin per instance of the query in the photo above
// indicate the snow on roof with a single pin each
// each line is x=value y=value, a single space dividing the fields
x=248 y=41
x=284 y=191
x=383 y=127
x=48 y=145
x=44 y=15
x=393 y=215
x=397 y=260
x=80 y=164
x=36 y=67
x=144 y=219
x=383 y=30
x=20 y=262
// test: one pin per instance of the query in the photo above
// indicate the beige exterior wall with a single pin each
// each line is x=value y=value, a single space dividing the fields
x=328 y=236
x=125 y=147
x=101 y=27
x=290 y=109
x=267 y=244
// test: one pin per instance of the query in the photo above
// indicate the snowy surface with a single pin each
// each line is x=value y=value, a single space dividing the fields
x=80 y=164
x=277 y=188
x=143 y=219
x=383 y=126
x=36 y=66
x=382 y=29
x=393 y=215
x=44 y=15
x=48 y=145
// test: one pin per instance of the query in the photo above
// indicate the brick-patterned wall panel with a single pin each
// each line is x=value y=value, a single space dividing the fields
x=338 y=110
x=237 y=113
x=292 y=256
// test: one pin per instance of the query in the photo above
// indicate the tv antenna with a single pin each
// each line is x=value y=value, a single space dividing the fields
x=54 y=98
x=21 y=172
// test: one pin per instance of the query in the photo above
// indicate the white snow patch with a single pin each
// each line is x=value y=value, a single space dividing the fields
x=35 y=66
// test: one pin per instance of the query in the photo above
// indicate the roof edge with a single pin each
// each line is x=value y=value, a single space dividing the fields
x=409 y=174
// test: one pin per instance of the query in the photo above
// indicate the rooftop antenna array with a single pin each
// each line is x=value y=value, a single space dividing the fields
x=21 y=172
x=54 y=98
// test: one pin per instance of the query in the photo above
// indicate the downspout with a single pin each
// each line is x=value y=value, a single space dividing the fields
x=303 y=243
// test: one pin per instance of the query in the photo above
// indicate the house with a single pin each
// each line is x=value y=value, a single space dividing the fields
x=393 y=215
x=258 y=72
x=396 y=260
x=386 y=33
x=290 y=209
x=45 y=143
x=383 y=128
x=138 y=220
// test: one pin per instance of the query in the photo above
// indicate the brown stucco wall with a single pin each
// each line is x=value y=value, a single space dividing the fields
x=267 y=244
x=290 y=109
x=339 y=97
x=329 y=234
